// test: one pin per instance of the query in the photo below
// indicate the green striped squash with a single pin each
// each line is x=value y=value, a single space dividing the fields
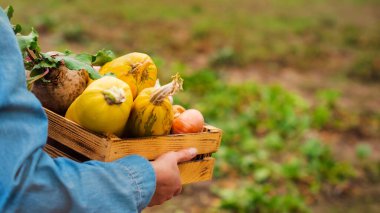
x=152 y=113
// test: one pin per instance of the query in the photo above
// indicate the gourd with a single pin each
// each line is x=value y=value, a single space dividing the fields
x=152 y=112
x=136 y=69
x=103 y=107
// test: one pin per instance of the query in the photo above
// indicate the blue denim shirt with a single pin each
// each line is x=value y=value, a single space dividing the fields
x=31 y=181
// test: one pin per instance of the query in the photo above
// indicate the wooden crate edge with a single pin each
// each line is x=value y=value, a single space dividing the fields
x=190 y=172
x=99 y=147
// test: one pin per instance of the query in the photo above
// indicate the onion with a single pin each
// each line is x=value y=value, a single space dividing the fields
x=190 y=121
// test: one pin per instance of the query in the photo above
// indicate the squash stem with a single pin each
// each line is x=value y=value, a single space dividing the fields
x=159 y=95
x=114 y=95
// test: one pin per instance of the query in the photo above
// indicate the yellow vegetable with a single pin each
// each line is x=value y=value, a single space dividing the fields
x=152 y=112
x=136 y=69
x=103 y=107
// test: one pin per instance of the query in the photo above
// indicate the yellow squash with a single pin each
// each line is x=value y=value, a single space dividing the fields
x=103 y=107
x=136 y=69
x=152 y=112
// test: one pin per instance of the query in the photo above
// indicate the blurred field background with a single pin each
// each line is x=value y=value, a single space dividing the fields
x=294 y=84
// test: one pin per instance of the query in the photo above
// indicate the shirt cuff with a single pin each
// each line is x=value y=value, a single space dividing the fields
x=142 y=176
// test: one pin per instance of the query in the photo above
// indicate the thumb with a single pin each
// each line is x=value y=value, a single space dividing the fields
x=186 y=154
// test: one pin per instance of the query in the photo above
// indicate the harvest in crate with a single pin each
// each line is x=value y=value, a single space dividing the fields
x=103 y=108
x=106 y=103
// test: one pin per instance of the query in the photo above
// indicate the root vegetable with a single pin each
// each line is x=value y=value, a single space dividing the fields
x=178 y=109
x=57 y=78
x=190 y=121
x=60 y=87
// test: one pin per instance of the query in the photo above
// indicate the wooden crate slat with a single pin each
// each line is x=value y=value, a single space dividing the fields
x=75 y=137
x=54 y=152
x=190 y=172
x=98 y=147
x=209 y=128
x=196 y=171
x=75 y=142
x=151 y=148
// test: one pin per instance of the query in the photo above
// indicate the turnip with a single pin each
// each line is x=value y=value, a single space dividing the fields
x=56 y=78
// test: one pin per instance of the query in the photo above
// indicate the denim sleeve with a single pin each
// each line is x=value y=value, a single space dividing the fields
x=31 y=181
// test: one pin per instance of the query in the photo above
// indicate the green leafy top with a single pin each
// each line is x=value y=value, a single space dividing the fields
x=29 y=41
x=41 y=63
x=102 y=56
x=9 y=11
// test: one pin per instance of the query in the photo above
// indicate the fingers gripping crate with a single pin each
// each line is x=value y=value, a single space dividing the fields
x=68 y=139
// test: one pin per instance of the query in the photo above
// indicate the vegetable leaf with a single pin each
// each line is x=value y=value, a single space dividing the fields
x=44 y=64
x=102 y=56
x=83 y=57
x=77 y=63
x=17 y=28
x=29 y=41
x=40 y=63
x=9 y=11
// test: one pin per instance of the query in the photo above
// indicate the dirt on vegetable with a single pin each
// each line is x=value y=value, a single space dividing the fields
x=60 y=88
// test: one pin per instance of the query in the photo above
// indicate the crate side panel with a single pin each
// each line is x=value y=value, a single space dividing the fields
x=151 y=148
x=72 y=135
x=54 y=152
x=196 y=171
x=190 y=172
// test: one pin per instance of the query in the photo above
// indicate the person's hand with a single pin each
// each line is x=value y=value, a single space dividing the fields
x=168 y=182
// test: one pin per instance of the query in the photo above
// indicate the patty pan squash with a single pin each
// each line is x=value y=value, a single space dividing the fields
x=136 y=69
x=103 y=107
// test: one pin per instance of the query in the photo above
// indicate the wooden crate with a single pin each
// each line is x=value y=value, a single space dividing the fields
x=68 y=139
